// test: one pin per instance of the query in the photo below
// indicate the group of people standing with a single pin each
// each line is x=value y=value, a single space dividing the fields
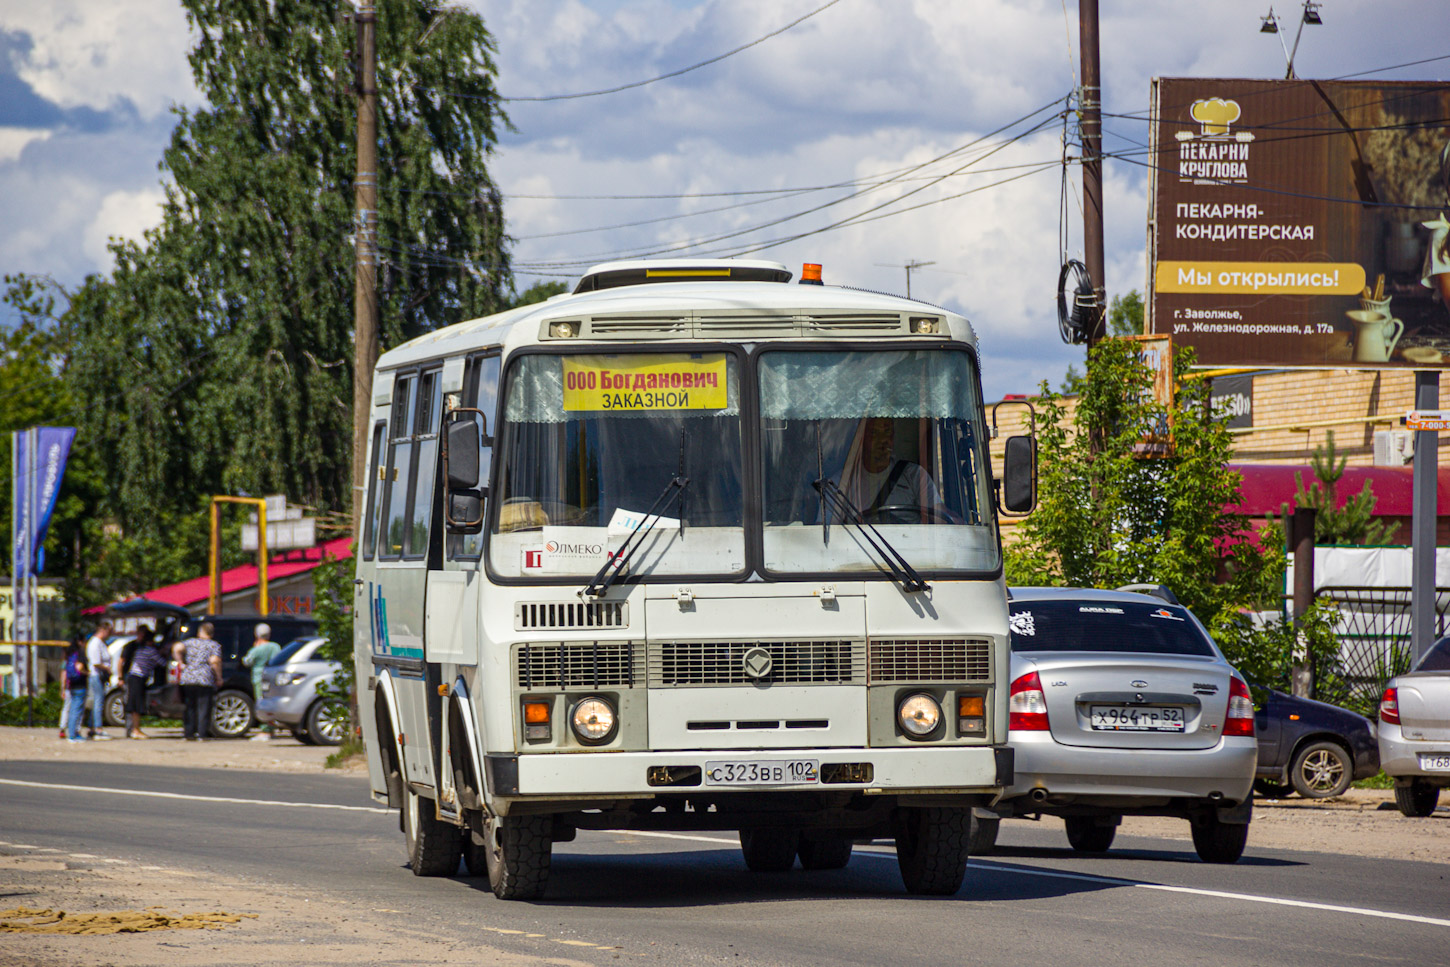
x=88 y=669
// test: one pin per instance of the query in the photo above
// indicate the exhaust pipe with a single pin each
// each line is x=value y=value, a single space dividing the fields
x=1215 y=796
x=1038 y=795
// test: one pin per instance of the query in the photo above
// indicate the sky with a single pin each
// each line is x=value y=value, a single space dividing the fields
x=929 y=93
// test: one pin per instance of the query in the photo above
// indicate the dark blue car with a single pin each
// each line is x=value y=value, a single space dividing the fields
x=1309 y=747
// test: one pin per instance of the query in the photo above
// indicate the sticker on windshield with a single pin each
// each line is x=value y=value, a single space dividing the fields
x=1094 y=609
x=1161 y=613
x=574 y=550
x=642 y=383
x=1021 y=624
x=626 y=522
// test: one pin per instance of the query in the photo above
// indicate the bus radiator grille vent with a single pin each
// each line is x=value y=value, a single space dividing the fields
x=674 y=664
x=576 y=664
x=707 y=326
x=885 y=323
x=930 y=660
x=570 y=615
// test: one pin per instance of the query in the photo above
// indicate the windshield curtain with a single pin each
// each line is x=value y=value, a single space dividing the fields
x=590 y=442
x=898 y=432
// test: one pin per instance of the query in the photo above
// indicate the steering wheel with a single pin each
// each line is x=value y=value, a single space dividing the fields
x=883 y=514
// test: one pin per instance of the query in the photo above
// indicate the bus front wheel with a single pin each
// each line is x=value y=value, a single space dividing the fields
x=434 y=847
x=517 y=854
x=931 y=848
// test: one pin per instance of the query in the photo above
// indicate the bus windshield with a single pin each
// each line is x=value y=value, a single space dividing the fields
x=591 y=443
x=896 y=433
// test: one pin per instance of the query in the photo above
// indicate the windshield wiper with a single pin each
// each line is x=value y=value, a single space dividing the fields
x=616 y=564
x=900 y=568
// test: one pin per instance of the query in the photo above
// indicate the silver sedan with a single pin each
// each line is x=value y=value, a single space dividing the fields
x=1121 y=704
x=290 y=697
x=1414 y=731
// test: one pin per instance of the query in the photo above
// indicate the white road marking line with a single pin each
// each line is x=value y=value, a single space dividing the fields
x=1118 y=881
x=179 y=795
x=83 y=856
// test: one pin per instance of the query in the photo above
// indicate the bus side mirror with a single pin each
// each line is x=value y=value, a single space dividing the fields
x=1019 y=475
x=465 y=440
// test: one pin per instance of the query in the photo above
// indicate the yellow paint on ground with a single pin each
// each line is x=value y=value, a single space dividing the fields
x=27 y=920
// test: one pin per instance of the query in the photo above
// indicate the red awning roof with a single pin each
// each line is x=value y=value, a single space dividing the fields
x=1266 y=487
x=188 y=593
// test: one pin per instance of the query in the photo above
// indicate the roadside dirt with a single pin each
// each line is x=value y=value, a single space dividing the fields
x=166 y=747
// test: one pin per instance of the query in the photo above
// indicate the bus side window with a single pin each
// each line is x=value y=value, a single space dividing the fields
x=480 y=390
x=425 y=469
x=374 y=501
x=399 y=471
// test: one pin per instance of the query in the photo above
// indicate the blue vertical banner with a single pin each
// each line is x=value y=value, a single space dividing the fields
x=52 y=451
x=40 y=459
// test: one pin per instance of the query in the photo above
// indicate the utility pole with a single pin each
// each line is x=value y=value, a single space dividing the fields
x=365 y=302
x=1091 y=125
x=908 y=266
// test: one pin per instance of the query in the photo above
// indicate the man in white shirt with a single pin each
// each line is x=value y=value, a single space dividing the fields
x=885 y=488
x=98 y=661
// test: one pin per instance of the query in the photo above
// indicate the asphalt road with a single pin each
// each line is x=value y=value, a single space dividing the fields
x=686 y=899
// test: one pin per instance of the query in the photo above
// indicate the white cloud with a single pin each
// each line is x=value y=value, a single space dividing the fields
x=14 y=140
x=122 y=214
x=86 y=53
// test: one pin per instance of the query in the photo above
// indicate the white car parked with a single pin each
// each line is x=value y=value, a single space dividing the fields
x=1414 y=731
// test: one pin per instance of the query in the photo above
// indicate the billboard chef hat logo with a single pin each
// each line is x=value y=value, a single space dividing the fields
x=1215 y=115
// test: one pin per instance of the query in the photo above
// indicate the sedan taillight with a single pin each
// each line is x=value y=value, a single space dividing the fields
x=1239 y=719
x=1390 y=707
x=1027 y=707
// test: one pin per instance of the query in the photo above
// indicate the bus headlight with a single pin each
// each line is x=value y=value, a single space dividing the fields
x=919 y=715
x=592 y=720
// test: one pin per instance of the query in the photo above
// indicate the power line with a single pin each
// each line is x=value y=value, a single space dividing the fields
x=652 y=80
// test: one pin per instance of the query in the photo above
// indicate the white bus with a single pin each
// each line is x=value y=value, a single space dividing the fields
x=690 y=548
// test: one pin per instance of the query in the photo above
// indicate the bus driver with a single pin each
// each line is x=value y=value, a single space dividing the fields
x=885 y=487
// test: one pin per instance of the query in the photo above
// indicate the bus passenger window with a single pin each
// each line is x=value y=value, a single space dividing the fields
x=400 y=465
x=425 y=433
x=373 y=503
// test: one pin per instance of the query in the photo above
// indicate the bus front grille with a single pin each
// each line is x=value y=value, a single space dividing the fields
x=675 y=664
x=576 y=664
x=531 y=616
x=930 y=660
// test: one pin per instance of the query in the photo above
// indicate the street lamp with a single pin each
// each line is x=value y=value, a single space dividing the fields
x=1270 y=25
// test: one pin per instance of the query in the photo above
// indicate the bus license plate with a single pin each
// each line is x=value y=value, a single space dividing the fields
x=1131 y=718
x=767 y=772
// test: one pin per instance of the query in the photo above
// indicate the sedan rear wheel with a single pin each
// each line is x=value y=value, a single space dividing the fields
x=1085 y=835
x=1322 y=770
x=1217 y=841
x=1417 y=799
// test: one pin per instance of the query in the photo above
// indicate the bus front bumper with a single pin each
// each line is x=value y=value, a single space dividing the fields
x=894 y=771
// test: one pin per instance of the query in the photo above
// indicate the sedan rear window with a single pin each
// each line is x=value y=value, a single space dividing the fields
x=1092 y=626
x=1437 y=659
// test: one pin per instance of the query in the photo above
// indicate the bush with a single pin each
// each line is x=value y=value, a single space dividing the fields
x=48 y=704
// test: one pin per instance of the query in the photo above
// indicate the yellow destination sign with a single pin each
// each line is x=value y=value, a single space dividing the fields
x=1260 y=278
x=632 y=383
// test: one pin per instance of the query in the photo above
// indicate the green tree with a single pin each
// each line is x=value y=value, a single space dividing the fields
x=1109 y=516
x=538 y=292
x=1125 y=314
x=221 y=344
x=1353 y=523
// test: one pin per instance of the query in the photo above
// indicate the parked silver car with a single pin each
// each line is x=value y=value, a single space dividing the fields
x=1121 y=704
x=289 y=694
x=1414 y=731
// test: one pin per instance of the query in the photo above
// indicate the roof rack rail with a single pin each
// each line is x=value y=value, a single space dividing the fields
x=1157 y=590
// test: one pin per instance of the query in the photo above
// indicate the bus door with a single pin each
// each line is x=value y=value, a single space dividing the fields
x=368 y=640
x=404 y=534
x=452 y=625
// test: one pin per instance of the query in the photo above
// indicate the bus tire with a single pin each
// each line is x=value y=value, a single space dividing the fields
x=769 y=850
x=518 y=855
x=829 y=853
x=931 y=849
x=434 y=847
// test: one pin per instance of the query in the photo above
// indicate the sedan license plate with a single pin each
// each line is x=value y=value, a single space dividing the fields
x=767 y=772
x=1132 y=718
x=1438 y=762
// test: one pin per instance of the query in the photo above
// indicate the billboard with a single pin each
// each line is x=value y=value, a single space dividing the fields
x=1301 y=223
